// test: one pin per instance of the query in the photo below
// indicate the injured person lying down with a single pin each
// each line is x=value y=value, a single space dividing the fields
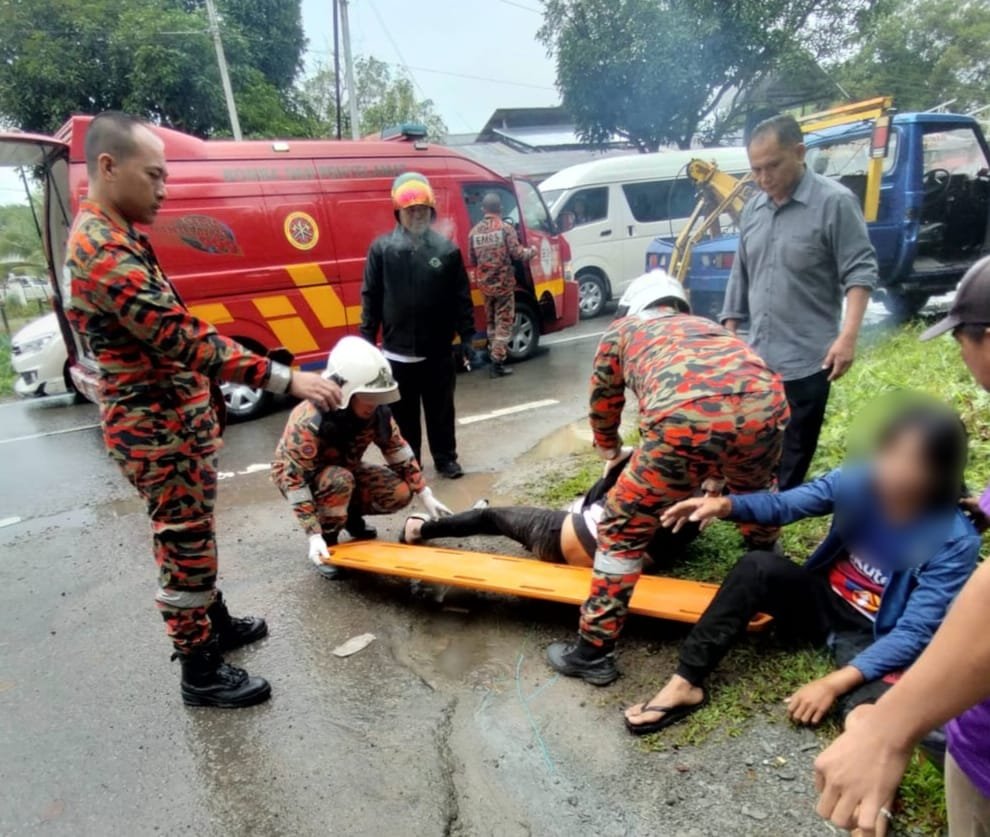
x=568 y=536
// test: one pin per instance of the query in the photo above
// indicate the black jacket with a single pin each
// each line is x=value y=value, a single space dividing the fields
x=417 y=294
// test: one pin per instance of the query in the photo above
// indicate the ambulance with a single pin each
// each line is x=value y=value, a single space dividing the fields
x=267 y=239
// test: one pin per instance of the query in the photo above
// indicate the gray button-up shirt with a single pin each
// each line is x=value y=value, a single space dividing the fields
x=794 y=265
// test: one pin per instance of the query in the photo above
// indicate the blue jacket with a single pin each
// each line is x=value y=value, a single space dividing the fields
x=927 y=562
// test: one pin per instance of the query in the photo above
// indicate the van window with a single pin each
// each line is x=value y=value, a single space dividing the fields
x=535 y=214
x=660 y=200
x=588 y=205
x=957 y=151
x=475 y=192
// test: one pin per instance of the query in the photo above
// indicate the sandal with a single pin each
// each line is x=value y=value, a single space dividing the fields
x=671 y=716
x=402 y=536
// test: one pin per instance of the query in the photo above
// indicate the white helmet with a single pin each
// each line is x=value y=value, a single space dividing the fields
x=652 y=288
x=360 y=369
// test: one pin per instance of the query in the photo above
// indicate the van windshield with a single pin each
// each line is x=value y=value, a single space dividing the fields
x=551 y=196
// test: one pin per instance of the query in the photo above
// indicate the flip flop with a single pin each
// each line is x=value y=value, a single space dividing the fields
x=402 y=535
x=671 y=715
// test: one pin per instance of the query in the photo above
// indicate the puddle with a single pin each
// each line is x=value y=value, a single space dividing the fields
x=570 y=439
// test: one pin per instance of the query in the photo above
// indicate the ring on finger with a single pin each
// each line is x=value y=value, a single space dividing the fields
x=887 y=814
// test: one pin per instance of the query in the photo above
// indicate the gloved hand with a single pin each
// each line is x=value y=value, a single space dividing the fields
x=465 y=354
x=434 y=508
x=619 y=460
x=319 y=552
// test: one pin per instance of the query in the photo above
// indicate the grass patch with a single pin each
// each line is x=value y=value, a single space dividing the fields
x=7 y=376
x=921 y=801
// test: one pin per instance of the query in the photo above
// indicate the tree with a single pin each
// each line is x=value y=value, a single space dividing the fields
x=152 y=57
x=923 y=53
x=385 y=98
x=652 y=71
x=19 y=236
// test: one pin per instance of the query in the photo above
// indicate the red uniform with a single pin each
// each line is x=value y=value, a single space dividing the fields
x=157 y=367
x=708 y=407
x=494 y=244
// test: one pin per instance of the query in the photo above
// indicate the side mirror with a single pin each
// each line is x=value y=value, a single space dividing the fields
x=566 y=221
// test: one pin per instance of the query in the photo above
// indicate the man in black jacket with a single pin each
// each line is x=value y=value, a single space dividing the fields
x=416 y=293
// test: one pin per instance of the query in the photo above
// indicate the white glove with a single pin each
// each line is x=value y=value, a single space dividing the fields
x=319 y=552
x=434 y=508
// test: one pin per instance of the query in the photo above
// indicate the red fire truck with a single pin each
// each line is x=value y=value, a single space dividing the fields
x=267 y=239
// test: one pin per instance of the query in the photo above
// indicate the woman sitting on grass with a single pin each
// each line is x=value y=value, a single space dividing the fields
x=875 y=590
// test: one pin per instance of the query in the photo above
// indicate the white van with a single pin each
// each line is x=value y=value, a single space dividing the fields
x=611 y=209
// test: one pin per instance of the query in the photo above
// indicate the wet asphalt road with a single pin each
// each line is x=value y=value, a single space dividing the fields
x=93 y=738
x=449 y=723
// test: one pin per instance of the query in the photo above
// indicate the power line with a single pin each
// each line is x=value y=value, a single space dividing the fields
x=522 y=6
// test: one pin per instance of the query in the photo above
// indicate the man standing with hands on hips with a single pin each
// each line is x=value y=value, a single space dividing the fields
x=803 y=246
x=416 y=293
x=159 y=403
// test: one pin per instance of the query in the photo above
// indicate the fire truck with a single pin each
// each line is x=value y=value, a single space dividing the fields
x=267 y=239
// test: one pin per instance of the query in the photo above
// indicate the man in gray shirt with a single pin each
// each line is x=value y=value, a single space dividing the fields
x=803 y=245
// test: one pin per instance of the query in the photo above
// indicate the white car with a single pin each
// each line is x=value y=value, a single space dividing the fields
x=40 y=360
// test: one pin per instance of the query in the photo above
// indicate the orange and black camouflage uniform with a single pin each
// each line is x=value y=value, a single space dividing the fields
x=318 y=467
x=158 y=406
x=494 y=244
x=708 y=407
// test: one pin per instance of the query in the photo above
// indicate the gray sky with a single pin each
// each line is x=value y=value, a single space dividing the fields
x=440 y=41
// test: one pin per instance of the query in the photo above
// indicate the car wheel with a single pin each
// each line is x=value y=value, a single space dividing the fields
x=592 y=295
x=243 y=402
x=525 y=333
x=904 y=305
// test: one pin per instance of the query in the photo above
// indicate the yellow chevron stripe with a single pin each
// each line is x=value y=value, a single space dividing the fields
x=326 y=305
x=274 y=306
x=293 y=334
x=306 y=274
x=213 y=312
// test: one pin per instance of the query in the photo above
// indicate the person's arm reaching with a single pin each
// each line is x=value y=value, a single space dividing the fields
x=856 y=266
x=153 y=315
x=399 y=456
x=516 y=250
x=295 y=461
x=607 y=395
x=465 y=307
x=859 y=773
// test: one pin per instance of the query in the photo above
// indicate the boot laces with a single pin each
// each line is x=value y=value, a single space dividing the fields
x=231 y=675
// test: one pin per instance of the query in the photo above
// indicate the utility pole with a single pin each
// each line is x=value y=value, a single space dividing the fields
x=228 y=93
x=336 y=65
x=349 y=69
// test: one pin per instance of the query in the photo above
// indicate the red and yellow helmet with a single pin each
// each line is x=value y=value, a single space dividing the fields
x=413 y=189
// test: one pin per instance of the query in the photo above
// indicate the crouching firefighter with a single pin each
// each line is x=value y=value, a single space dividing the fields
x=318 y=462
x=708 y=407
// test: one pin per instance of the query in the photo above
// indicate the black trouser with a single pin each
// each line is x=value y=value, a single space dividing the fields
x=807 y=398
x=536 y=529
x=430 y=383
x=803 y=607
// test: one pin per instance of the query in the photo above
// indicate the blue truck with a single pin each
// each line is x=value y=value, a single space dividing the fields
x=929 y=220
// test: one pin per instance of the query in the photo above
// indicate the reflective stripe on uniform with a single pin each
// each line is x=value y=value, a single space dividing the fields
x=279 y=378
x=610 y=565
x=185 y=599
x=403 y=454
x=299 y=495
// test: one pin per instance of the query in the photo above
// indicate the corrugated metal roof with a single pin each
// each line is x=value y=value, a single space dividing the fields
x=537 y=166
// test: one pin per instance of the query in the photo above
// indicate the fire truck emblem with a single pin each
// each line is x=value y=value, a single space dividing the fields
x=301 y=230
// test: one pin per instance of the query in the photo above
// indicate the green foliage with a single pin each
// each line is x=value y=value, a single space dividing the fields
x=923 y=53
x=652 y=72
x=7 y=376
x=19 y=238
x=921 y=799
x=151 y=57
x=385 y=98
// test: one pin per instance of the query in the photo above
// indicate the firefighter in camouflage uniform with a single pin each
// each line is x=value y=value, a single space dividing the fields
x=709 y=407
x=318 y=462
x=494 y=244
x=158 y=367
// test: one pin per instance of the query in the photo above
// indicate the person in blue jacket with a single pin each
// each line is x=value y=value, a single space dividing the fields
x=875 y=591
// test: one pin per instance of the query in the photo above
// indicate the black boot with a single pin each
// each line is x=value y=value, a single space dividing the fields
x=232 y=631
x=208 y=681
x=582 y=659
x=358 y=529
x=500 y=370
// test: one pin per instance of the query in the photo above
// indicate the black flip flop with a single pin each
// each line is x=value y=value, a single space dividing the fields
x=671 y=715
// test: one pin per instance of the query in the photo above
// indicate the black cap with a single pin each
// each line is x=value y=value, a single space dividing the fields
x=972 y=303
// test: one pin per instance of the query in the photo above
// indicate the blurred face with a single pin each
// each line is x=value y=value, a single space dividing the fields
x=976 y=356
x=776 y=168
x=362 y=407
x=902 y=478
x=415 y=219
x=135 y=185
